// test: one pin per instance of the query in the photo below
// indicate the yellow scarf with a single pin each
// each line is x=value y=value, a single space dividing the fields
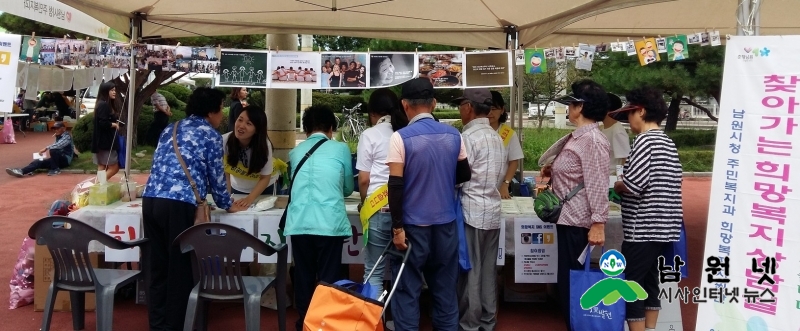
x=505 y=132
x=240 y=171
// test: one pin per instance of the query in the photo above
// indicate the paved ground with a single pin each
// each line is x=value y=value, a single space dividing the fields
x=23 y=201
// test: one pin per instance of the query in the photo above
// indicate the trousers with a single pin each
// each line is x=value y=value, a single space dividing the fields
x=572 y=240
x=316 y=258
x=57 y=160
x=477 y=289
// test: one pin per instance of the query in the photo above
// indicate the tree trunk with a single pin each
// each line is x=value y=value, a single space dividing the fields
x=708 y=112
x=673 y=112
x=142 y=94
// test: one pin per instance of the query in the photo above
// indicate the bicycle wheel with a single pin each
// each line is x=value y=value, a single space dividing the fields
x=349 y=133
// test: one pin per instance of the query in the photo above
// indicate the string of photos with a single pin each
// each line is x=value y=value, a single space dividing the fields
x=648 y=51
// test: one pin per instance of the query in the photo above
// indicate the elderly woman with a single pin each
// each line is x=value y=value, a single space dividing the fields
x=169 y=204
x=316 y=219
x=580 y=158
x=652 y=209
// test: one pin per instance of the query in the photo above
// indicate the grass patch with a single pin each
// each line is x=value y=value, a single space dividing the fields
x=84 y=161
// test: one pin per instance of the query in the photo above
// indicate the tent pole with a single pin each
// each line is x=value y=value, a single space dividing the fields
x=136 y=24
x=515 y=102
x=756 y=19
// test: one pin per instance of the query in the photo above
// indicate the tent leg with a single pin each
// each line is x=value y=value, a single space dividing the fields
x=136 y=25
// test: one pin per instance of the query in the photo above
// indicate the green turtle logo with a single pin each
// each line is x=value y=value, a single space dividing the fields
x=610 y=290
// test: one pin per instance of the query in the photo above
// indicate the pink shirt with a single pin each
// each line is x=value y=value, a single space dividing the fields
x=584 y=158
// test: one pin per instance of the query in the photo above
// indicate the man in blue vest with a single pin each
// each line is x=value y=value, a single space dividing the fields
x=426 y=159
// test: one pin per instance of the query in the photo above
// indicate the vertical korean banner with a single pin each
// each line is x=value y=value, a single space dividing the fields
x=9 y=51
x=752 y=217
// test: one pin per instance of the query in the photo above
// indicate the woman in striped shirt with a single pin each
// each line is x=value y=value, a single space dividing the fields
x=652 y=210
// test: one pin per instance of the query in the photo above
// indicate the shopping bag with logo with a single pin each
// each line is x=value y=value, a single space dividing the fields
x=587 y=297
x=677 y=248
x=463 y=251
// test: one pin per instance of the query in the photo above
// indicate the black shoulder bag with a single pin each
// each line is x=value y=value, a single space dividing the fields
x=282 y=223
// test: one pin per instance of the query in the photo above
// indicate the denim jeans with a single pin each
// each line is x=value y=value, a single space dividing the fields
x=380 y=234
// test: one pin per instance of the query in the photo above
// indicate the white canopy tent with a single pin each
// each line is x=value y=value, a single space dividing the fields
x=466 y=23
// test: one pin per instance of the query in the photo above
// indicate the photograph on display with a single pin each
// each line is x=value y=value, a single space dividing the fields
x=210 y=67
x=293 y=69
x=62 y=51
x=92 y=47
x=519 y=57
x=677 y=48
x=77 y=54
x=705 y=40
x=444 y=69
x=343 y=70
x=536 y=60
x=630 y=48
x=234 y=68
x=183 y=52
x=602 y=48
x=585 y=57
x=647 y=51
x=559 y=54
x=715 y=41
x=389 y=69
x=488 y=69
x=694 y=38
x=569 y=52
x=47 y=54
x=183 y=65
x=661 y=45
x=167 y=56
x=618 y=47
x=549 y=53
x=30 y=48
x=204 y=54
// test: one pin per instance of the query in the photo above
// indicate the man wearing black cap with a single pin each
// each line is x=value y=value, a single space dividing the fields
x=60 y=155
x=426 y=159
x=481 y=206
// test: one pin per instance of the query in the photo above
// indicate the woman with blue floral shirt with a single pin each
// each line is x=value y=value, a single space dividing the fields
x=169 y=203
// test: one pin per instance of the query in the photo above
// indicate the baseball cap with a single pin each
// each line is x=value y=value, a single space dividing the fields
x=417 y=89
x=58 y=125
x=478 y=95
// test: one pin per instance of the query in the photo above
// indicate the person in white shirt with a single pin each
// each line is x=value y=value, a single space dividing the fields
x=481 y=205
x=248 y=157
x=513 y=150
x=386 y=117
x=617 y=136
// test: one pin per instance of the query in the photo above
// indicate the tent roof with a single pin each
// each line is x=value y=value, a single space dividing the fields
x=466 y=23
x=778 y=17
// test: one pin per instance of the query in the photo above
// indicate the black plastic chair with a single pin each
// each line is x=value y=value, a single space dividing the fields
x=67 y=241
x=217 y=249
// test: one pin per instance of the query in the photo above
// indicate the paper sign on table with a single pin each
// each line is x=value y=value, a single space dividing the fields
x=535 y=251
x=244 y=222
x=268 y=232
x=509 y=206
x=124 y=227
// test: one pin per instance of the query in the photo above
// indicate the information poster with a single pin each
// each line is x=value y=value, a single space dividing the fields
x=242 y=68
x=752 y=247
x=268 y=232
x=444 y=69
x=535 y=251
x=488 y=69
x=9 y=48
x=294 y=70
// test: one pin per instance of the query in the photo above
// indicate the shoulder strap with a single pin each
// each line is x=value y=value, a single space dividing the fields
x=573 y=192
x=282 y=222
x=183 y=164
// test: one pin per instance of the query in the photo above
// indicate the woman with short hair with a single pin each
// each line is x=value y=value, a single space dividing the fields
x=316 y=218
x=513 y=150
x=169 y=203
x=652 y=206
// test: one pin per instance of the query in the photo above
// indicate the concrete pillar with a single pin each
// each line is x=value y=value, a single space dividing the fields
x=306 y=45
x=281 y=105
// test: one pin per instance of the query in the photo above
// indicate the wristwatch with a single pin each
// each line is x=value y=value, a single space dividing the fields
x=507 y=182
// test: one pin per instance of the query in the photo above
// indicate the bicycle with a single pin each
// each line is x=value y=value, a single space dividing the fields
x=352 y=123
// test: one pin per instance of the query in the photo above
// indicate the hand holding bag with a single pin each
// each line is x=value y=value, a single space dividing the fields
x=203 y=212
x=548 y=206
x=601 y=317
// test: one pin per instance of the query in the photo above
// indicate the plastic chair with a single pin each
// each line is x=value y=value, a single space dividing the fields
x=216 y=266
x=67 y=241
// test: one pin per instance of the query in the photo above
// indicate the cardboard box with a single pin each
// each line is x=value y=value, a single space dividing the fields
x=43 y=276
x=104 y=194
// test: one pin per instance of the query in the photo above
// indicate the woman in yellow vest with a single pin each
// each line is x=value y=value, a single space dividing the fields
x=248 y=157
x=513 y=150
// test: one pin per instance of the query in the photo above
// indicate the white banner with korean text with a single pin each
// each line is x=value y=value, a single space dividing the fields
x=752 y=246
x=58 y=14
x=9 y=50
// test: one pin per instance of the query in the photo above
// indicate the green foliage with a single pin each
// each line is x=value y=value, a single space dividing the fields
x=172 y=101
x=179 y=91
x=202 y=82
x=82 y=133
x=337 y=101
x=83 y=130
x=458 y=125
x=685 y=139
x=536 y=142
x=447 y=115
x=696 y=160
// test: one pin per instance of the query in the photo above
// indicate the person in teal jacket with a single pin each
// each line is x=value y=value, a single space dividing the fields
x=316 y=220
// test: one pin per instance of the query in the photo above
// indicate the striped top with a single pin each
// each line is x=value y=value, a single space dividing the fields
x=653 y=211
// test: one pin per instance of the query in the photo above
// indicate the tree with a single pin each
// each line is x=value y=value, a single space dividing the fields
x=700 y=76
x=545 y=87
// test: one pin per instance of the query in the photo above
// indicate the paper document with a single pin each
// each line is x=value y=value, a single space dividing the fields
x=37 y=156
x=510 y=207
x=582 y=258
